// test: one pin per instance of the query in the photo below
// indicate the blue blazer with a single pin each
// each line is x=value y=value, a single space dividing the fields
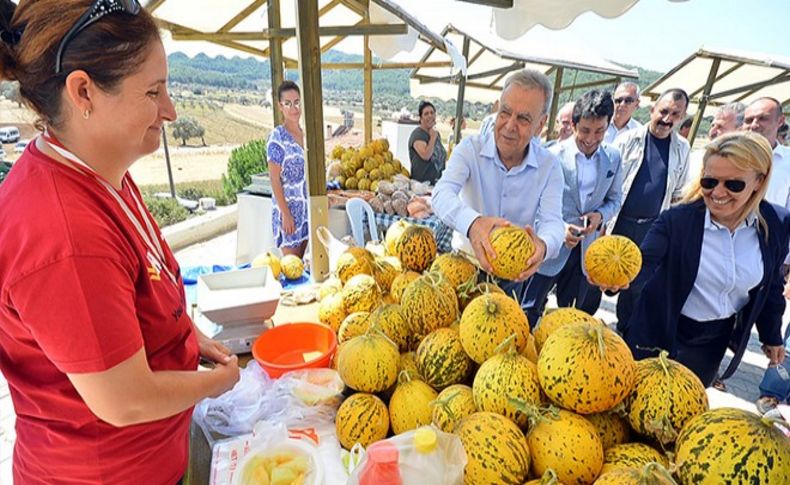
x=670 y=261
x=607 y=196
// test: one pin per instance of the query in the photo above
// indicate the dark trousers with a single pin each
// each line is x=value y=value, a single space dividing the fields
x=572 y=289
x=635 y=230
x=700 y=346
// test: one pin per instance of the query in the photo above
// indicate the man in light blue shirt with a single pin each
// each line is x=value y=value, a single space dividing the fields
x=506 y=177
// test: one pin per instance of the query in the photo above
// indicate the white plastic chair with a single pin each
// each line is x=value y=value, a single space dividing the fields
x=356 y=210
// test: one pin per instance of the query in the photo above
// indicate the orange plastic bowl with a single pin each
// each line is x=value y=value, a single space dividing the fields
x=294 y=346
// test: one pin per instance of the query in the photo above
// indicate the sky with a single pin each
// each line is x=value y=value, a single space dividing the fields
x=654 y=34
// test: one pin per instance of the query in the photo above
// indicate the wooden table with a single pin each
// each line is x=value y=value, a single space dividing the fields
x=199 y=468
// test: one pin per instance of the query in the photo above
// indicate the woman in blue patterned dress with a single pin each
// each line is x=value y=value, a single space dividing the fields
x=285 y=155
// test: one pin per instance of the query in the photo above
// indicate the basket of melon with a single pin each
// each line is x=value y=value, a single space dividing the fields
x=289 y=462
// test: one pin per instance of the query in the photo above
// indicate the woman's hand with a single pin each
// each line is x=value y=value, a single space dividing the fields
x=227 y=373
x=289 y=226
x=212 y=350
x=775 y=354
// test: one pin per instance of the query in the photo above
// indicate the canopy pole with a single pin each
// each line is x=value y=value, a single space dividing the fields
x=368 y=94
x=275 y=57
x=313 y=119
x=555 y=99
x=703 y=102
x=459 y=105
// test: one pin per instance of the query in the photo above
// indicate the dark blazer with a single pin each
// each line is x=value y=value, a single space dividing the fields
x=670 y=261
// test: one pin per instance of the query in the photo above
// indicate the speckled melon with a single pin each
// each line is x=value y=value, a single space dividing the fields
x=568 y=444
x=393 y=234
x=391 y=320
x=667 y=395
x=650 y=474
x=513 y=248
x=368 y=363
x=354 y=261
x=329 y=287
x=728 y=445
x=631 y=455
x=470 y=292
x=361 y=294
x=556 y=318
x=612 y=428
x=410 y=404
x=362 y=418
x=457 y=268
x=487 y=321
x=401 y=282
x=496 y=451
x=332 y=312
x=408 y=364
x=452 y=405
x=612 y=261
x=503 y=377
x=416 y=248
x=427 y=306
x=441 y=358
x=385 y=271
x=292 y=266
x=586 y=367
x=353 y=325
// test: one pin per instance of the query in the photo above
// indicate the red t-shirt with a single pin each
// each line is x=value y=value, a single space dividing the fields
x=77 y=296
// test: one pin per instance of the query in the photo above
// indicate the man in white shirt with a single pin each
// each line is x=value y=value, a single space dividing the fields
x=506 y=177
x=727 y=119
x=564 y=124
x=626 y=101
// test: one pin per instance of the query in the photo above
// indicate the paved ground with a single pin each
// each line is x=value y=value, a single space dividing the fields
x=742 y=387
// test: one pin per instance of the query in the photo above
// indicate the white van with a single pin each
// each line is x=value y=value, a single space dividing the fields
x=9 y=134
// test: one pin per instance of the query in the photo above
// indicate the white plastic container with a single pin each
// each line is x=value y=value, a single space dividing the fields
x=238 y=297
x=315 y=477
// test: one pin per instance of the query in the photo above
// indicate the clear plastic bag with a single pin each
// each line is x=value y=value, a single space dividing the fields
x=442 y=465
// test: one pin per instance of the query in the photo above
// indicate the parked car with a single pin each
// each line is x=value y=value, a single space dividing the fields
x=9 y=134
x=20 y=146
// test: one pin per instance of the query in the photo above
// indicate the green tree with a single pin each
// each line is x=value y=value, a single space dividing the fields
x=245 y=161
x=186 y=128
x=10 y=91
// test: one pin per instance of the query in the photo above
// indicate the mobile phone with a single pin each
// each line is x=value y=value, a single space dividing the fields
x=585 y=221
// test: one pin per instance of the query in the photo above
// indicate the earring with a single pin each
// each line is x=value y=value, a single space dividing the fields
x=86 y=114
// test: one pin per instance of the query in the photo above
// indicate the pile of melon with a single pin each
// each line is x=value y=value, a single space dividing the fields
x=427 y=344
x=363 y=168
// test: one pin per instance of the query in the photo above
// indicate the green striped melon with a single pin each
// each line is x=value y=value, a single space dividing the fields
x=612 y=261
x=441 y=359
x=400 y=283
x=586 y=367
x=362 y=418
x=368 y=363
x=612 y=428
x=457 y=268
x=408 y=364
x=453 y=404
x=667 y=395
x=353 y=325
x=354 y=261
x=410 y=404
x=728 y=445
x=332 y=312
x=632 y=455
x=513 y=248
x=427 y=306
x=496 y=451
x=567 y=443
x=556 y=318
x=487 y=321
x=503 y=377
x=416 y=248
x=361 y=294
x=391 y=320
x=385 y=271
x=393 y=234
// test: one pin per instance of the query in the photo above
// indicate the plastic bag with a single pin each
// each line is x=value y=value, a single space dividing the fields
x=444 y=465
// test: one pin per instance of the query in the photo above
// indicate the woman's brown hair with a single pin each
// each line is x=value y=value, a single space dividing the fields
x=108 y=50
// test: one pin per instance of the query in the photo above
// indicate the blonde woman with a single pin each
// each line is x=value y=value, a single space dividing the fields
x=711 y=266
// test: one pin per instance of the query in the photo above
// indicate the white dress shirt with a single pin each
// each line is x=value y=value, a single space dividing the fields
x=779 y=184
x=586 y=176
x=476 y=183
x=730 y=265
x=612 y=132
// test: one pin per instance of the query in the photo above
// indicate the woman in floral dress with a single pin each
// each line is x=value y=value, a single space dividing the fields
x=285 y=155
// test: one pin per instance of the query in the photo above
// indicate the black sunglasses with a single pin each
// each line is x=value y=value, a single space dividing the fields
x=626 y=100
x=710 y=183
x=99 y=9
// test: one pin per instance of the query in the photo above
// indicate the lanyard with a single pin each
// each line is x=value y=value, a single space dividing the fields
x=156 y=254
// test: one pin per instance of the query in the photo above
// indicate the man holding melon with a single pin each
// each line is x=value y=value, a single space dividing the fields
x=505 y=178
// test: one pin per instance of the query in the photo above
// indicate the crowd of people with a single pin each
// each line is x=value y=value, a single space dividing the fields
x=712 y=224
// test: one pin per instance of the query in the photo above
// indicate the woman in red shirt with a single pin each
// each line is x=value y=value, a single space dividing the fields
x=95 y=343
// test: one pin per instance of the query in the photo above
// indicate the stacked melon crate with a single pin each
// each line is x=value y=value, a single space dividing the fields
x=422 y=342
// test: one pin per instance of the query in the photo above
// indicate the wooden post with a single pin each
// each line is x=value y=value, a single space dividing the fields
x=459 y=104
x=275 y=57
x=703 y=102
x=368 y=91
x=313 y=120
x=555 y=100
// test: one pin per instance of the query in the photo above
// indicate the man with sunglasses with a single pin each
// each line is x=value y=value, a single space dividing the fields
x=626 y=102
x=655 y=168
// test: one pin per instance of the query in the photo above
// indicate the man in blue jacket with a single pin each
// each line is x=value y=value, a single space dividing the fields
x=592 y=195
